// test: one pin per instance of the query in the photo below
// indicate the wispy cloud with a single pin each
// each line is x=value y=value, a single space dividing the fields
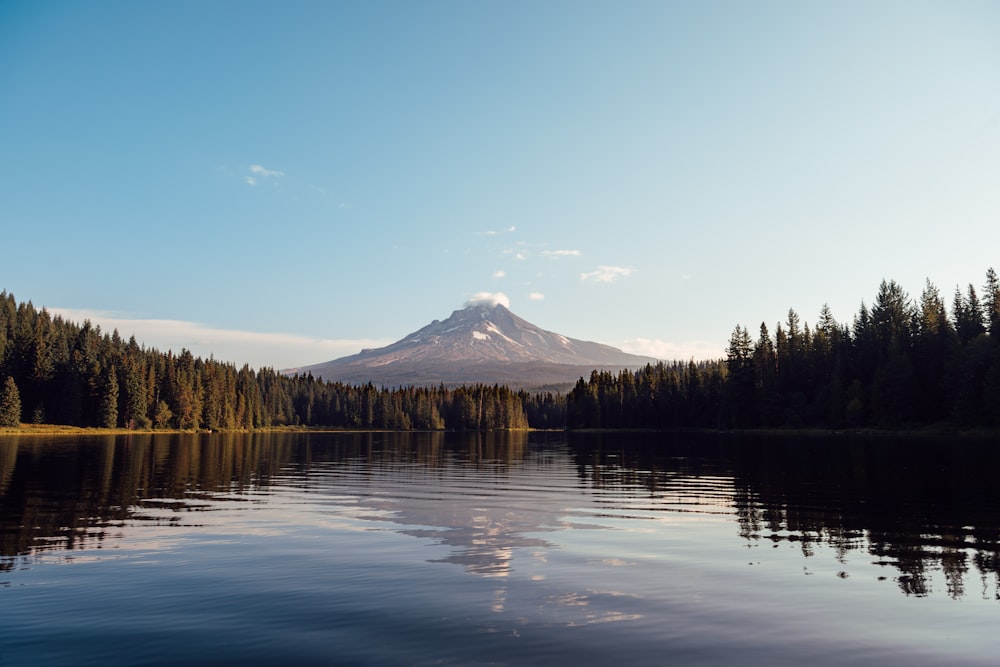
x=493 y=232
x=259 y=349
x=562 y=253
x=536 y=296
x=258 y=171
x=499 y=273
x=263 y=171
x=661 y=349
x=606 y=274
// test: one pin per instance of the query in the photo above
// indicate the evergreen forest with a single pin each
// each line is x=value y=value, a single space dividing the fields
x=901 y=363
x=56 y=372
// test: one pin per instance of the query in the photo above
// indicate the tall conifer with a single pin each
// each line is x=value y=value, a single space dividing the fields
x=10 y=404
x=109 y=400
x=991 y=303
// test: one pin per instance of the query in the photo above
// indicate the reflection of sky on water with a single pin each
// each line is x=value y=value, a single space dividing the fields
x=711 y=549
x=501 y=504
x=497 y=516
x=482 y=537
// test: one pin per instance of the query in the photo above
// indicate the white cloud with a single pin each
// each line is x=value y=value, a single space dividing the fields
x=262 y=171
x=258 y=172
x=493 y=232
x=562 y=253
x=536 y=296
x=519 y=255
x=259 y=349
x=606 y=274
x=488 y=299
x=661 y=349
x=499 y=273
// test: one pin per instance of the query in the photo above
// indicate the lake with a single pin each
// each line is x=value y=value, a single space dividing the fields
x=498 y=549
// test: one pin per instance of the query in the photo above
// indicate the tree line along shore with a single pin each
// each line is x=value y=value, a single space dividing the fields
x=902 y=363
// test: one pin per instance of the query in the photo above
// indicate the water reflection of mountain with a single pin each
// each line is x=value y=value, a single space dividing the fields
x=913 y=505
x=482 y=508
x=456 y=490
x=919 y=508
x=70 y=493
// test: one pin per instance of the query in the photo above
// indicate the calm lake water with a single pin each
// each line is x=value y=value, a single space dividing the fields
x=499 y=549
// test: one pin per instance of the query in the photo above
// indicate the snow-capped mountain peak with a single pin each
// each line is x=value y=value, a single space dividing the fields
x=482 y=342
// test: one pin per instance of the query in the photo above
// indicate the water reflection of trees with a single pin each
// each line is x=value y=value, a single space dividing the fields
x=68 y=494
x=914 y=505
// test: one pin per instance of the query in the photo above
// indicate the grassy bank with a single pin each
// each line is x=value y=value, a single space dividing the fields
x=930 y=431
x=58 y=429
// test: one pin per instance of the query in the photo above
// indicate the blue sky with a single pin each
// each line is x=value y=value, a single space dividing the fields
x=285 y=183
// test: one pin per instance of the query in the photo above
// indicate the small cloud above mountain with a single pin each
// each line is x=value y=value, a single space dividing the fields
x=488 y=299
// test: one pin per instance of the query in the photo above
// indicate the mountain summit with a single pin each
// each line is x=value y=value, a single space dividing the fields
x=481 y=343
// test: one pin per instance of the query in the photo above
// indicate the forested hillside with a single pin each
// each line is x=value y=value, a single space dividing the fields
x=54 y=371
x=901 y=363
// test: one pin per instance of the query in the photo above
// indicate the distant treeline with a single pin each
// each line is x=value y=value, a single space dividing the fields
x=901 y=363
x=54 y=371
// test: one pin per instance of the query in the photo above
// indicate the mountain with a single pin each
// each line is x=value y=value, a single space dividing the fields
x=481 y=343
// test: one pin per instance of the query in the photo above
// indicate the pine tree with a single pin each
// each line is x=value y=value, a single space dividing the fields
x=741 y=377
x=935 y=343
x=135 y=395
x=968 y=314
x=163 y=415
x=108 y=417
x=766 y=374
x=991 y=303
x=10 y=404
x=891 y=315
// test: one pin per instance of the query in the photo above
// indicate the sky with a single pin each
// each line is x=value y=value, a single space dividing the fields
x=281 y=184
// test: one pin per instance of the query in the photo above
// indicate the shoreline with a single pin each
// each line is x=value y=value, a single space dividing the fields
x=925 y=432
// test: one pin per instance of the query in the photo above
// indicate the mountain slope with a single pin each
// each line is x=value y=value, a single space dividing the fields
x=479 y=343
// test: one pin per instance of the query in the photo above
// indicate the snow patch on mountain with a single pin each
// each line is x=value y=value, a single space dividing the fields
x=483 y=342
